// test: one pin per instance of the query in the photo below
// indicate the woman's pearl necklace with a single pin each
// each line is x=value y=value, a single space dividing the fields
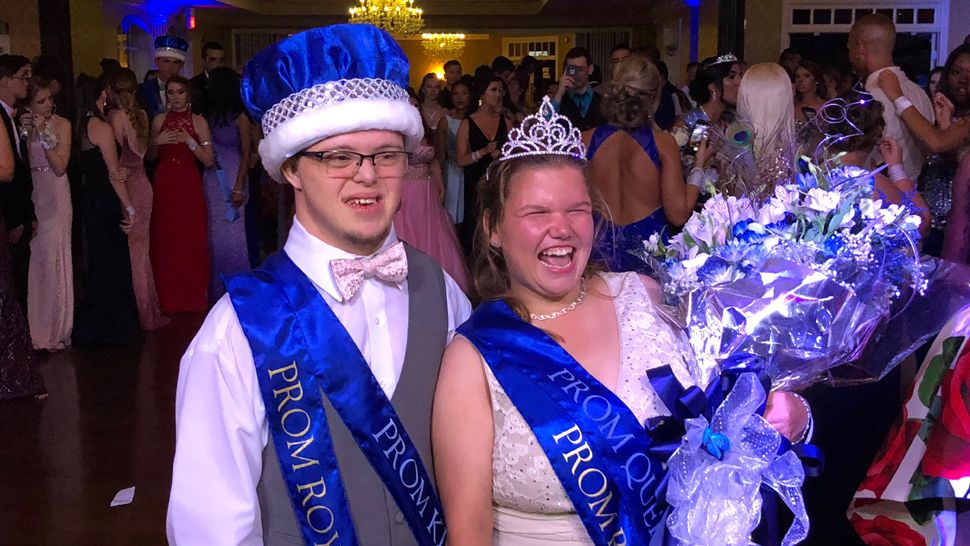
x=556 y=314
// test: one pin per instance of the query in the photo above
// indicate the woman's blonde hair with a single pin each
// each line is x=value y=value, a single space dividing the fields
x=124 y=86
x=633 y=93
x=489 y=270
x=765 y=101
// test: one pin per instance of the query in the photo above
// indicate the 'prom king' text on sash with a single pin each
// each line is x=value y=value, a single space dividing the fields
x=300 y=348
x=598 y=449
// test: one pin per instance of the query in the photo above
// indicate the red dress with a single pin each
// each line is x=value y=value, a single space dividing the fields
x=179 y=245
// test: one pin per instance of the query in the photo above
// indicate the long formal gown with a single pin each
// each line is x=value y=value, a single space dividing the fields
x=179 y=244
x=227 y=224
x=19 y=375
x=50 y=278
x=422 y=222
x=619 y=245
x=142 y=277
x=473 y=173
x=529 y=505
x=107 y=312
x=454 y=176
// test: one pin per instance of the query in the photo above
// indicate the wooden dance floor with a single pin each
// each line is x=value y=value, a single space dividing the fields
x=107 y=425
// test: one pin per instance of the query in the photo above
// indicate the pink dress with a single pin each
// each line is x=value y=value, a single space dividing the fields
x=142 y=277
x=50 y=278
x=422 y=221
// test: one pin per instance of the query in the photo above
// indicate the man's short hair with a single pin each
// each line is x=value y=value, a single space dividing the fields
x=650 y=53
x=109 y=65
x=209 y=46
x=787 y=55
x=502 y=64
x=618 y=47
x=693 y=64
x=577 y=52
x=875 y=29
x=11 y=64
x=451 y=63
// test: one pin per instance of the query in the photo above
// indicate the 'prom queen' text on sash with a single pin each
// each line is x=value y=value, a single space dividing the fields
x=597 y=447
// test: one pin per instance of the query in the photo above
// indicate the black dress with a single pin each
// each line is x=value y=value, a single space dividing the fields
x=473 y=173
x=107 y=312
x=19 y=375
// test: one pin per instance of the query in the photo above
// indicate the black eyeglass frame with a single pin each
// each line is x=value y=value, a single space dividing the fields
x=321 y=155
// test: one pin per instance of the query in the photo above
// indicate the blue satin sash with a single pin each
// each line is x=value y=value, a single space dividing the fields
x=599 y=450
x=300 y=349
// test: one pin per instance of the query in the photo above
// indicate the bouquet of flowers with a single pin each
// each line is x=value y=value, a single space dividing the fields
x=802 y=280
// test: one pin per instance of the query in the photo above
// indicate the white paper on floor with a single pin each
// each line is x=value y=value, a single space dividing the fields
x=125 y=496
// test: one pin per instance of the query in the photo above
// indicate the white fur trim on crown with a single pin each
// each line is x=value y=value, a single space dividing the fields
x=170 y=52
x=349 y=116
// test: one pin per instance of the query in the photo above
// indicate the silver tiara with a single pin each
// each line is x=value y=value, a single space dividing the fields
x=727 y=58
x=544 y=133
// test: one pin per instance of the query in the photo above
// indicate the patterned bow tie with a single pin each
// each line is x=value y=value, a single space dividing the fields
x=391 y=266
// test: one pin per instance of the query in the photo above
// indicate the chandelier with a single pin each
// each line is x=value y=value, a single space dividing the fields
x=443 y=45
x=398 y=17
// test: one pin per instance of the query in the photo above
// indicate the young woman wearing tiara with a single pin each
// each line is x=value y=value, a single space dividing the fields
x=542 y=396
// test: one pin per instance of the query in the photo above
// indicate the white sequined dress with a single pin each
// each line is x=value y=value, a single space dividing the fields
x=529 y=505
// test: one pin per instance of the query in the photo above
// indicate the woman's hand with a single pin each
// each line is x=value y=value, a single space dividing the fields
x=891 y=152
x=787 y=414
x=943 y=108
x=704 y=154
x=889 y=83
x=168 y=137
x=128 y=218
x=238 y=196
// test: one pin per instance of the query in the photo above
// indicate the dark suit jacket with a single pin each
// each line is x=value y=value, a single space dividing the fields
x=151 y=99
x=593 y=118
x=15 y=202
x=200 y=103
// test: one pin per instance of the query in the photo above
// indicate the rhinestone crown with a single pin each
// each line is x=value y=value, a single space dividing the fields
x=544 y=133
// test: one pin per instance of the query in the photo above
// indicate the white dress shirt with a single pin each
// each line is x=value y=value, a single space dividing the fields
x=16 y=133
x=221 y=426
x=913 y=156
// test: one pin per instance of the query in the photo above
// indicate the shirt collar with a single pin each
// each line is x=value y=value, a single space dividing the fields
x=588 y=92
x=7 y=108
x=313 y=256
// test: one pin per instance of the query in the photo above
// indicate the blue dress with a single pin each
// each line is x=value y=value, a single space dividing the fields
x=618 y=246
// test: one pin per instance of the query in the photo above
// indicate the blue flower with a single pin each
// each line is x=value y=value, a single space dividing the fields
x=717 y=271
x=806 y=181
x=733 y=251
x=834 y=246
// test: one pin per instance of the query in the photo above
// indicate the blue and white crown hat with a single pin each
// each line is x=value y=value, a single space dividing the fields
x=326 y=82
x=544 y=133
x=172 y=47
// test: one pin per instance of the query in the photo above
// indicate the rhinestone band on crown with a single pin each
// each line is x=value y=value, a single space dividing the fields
x=326 y=94
x=544 y=133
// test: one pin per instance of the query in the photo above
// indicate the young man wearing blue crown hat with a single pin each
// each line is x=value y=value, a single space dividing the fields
x=303 y=410
x=169 y=59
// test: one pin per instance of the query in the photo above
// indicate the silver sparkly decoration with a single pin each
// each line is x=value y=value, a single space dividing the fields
x=544 y=133
x=326 y=94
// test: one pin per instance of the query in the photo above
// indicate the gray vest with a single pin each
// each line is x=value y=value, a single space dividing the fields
x=377 y=519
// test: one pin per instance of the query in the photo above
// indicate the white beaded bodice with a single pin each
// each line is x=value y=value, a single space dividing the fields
x=523 y=479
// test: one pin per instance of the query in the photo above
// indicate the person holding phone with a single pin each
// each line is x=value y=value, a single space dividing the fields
x=576 y=99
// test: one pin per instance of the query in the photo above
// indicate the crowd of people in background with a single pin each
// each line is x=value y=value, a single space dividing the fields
x=133 y=203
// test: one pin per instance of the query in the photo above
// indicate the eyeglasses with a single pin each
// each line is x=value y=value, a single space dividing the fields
x=345 y=164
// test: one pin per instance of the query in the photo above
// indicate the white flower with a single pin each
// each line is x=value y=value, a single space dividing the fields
x=888 y=215
x=772 y=211
x=652 y=245
x=868 y=208
x=912 y=222
x=823 y=201
x=695 y=262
